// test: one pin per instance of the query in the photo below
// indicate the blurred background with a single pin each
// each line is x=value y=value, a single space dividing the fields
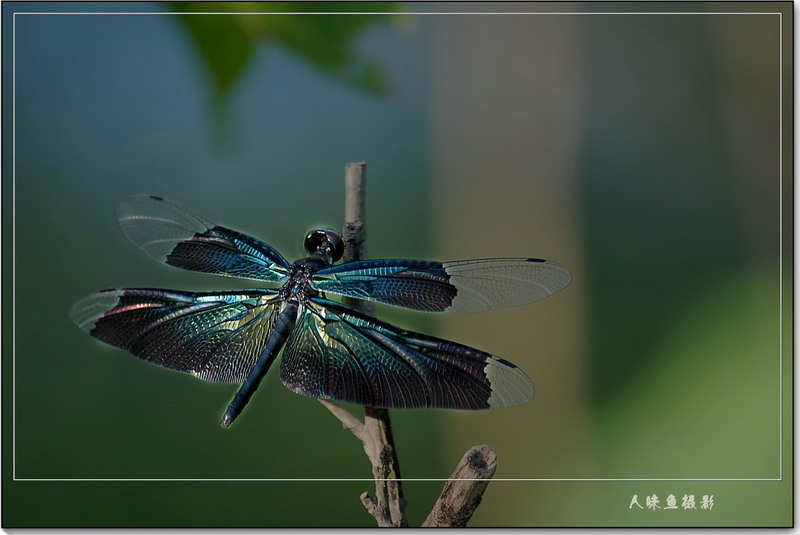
x=642 y=151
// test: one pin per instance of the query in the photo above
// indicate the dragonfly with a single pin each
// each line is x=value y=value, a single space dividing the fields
x=330 y=350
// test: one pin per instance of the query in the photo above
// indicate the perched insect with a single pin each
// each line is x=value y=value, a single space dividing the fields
x=330 y=350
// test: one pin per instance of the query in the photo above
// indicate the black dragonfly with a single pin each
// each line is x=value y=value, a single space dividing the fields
x=330 y=351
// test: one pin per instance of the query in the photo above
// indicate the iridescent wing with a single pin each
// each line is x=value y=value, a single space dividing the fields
x=214 y=336
x=461 y=286
x=338 y=353
x=174 y=235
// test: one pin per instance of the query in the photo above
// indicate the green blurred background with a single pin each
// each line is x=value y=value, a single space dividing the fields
x=643 y=151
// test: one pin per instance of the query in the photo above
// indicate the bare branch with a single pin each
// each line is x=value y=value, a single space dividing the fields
x=379 y=447
x=388 y=507
x=460 y=497
x=355 y=193
x=350 y=422
x=372 y=508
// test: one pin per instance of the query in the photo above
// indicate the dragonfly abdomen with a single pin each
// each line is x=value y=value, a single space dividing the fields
x=284 y=323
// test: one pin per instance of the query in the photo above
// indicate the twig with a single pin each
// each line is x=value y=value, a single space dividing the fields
x=350 y=422
x=460 y=498
x=463 y=493
x=388 y=507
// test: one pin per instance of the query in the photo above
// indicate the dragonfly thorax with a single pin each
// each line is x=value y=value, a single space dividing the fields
x=298 y=288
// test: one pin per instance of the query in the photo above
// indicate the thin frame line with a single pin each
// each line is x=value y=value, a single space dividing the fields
x=284 y=479
x=14 y=247
x=14 y=229
x=780 y=248
x=395 y=13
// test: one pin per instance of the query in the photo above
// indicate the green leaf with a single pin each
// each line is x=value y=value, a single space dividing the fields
x=222 y=43
x=226 y=41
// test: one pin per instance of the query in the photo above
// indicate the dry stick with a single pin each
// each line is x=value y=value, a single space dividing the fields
x=460 y=498
x=388 y=506
x=463 y=493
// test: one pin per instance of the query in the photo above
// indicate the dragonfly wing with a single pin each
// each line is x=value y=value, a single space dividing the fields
x=461 y=286
x=338 y=353
x=174 y=235
x=214 y=336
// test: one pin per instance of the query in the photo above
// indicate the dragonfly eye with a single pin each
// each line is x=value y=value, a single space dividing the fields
x=325 y=239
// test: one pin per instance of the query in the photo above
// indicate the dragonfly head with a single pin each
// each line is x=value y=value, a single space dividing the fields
x=325 y=242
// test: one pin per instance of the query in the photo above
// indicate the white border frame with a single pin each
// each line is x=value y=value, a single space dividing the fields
x=14 y=241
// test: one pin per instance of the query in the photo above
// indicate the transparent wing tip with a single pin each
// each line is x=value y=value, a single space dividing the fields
x=86 y=311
